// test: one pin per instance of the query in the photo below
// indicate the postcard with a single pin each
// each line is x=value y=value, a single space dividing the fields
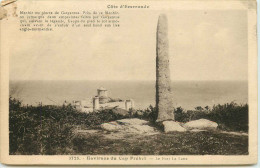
x=128 y=82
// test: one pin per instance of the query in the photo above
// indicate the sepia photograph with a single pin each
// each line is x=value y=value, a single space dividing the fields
x=131 y=80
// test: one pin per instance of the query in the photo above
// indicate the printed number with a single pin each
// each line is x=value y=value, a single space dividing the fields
x=74 y=158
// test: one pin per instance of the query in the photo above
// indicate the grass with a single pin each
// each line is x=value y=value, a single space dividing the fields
x=178 y=143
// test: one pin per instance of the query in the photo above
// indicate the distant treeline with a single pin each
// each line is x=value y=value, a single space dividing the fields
x=49 y=130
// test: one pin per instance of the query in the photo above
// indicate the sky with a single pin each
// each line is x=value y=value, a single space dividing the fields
x=203 y=45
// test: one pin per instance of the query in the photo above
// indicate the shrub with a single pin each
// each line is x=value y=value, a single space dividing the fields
x=48 y=129
x=37 y=130
x=229 y=116
x=149 y=114
x=180 y=115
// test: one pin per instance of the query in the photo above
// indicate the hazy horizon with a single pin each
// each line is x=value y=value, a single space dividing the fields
x=187 y=94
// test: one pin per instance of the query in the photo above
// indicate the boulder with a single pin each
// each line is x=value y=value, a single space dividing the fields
x=111 y=126
x=201 y=124
x=132 y=126
x=171 y=126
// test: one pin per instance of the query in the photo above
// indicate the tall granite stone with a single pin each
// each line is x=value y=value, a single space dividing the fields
x=164 y=103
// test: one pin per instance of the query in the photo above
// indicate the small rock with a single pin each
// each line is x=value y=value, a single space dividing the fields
x=202 y=124
x=170 y=126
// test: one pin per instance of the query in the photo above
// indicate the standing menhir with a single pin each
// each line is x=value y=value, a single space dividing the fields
x=164 y=103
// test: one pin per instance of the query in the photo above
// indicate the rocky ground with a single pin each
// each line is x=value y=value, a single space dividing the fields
x=139 y=137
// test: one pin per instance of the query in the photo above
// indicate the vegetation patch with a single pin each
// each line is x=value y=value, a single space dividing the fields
x=50 y=130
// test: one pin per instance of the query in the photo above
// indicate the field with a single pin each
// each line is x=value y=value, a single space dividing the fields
x=188 y=143
x=62 y=130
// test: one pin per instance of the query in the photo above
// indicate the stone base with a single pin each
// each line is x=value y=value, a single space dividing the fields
x=172 y=126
